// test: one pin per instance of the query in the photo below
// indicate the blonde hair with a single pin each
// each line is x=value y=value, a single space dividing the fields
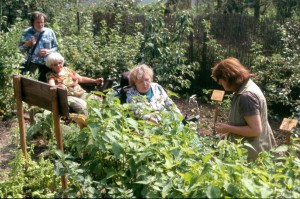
x=54 y=57
x=138 y=72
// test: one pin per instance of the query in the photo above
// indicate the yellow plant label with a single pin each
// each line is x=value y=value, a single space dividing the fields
x=287 y=124
x=217 y=95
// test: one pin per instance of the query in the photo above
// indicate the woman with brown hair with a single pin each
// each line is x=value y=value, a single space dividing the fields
x=248 y=116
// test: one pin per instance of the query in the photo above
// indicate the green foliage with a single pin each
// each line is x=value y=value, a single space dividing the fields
x=43 y=125
x=279 y=74
x=116 y=156
x=12 y=10
x=112 y=51
x=217 y=52
x=286 y=8
x=108 y=54
x=10 y=60
x=117 y=6
x=165 y=49
x=38 y=181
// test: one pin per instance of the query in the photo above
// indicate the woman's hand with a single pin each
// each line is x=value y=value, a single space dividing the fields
x=153 y=120
x=99 y=81
x=63 y=86
x=222 y=128
x=44 y=52
x=30 y=42
x=252 y=129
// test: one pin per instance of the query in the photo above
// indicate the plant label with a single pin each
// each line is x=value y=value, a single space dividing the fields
x=288 y=124
x=217 y=95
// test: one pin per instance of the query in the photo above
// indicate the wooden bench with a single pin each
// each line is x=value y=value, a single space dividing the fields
x=52 y=98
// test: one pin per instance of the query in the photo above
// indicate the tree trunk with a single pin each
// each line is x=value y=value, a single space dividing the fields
x=0 y=16
x=256 y=9
x=219 y=4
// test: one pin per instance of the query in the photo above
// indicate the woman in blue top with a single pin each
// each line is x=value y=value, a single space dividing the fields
x=148 y=97
x=46 y=45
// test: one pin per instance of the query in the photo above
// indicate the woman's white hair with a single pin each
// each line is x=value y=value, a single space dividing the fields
x=138 y=72
x=53 y=58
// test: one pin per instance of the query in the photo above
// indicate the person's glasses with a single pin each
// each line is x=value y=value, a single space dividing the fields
x=144 y=81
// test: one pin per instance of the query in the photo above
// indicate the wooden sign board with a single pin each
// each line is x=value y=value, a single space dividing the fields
x=37 y=93
x=288 y=124
x=217 y=95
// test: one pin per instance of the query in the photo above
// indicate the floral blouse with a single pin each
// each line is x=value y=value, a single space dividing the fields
x=159 y=101
x=69 y=79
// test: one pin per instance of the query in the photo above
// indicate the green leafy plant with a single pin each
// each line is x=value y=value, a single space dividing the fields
x=10 y=63
x=272 y=71
x=42 y=126
x=117 y=156
x=37 y=181
x=165 y=49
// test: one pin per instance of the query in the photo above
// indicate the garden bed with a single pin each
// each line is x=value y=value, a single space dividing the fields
x=8 y=130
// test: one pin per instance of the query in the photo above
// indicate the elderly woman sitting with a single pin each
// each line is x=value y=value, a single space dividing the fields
x=67 y=78
x=146 y=95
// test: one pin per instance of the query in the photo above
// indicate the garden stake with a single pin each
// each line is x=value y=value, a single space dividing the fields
x=286 y=126
x=217 y=96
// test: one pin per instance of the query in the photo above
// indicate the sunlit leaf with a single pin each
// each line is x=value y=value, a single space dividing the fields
x=213 y=192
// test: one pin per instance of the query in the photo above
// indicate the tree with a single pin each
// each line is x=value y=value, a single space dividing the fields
x=11 y=10
x=285 y=8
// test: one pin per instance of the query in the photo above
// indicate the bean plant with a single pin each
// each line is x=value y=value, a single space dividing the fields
x=117 y=156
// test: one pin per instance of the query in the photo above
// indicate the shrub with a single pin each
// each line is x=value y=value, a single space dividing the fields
x=10 y=63
x=279 y=74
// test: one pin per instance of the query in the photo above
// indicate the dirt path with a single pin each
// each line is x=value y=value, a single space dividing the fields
x=6 y=146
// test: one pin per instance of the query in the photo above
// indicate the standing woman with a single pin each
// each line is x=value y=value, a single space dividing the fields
x=46 y=44
x=248 y=117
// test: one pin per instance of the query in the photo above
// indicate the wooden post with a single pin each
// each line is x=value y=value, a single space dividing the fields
x=20 y=114
x=57 y=129
x=286 y=126
x=217 y=96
